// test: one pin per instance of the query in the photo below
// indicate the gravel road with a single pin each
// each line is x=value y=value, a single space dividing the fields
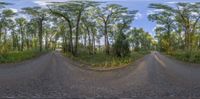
x=53 y=76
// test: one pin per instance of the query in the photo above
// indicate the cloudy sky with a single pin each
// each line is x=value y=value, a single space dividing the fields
x=141 y=20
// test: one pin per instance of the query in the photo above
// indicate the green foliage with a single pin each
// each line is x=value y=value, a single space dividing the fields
x=121 y=46
x=86 y=22
x=103 y=60
x=187 y=56
x=8 y=13
x=140 y=40
x=177 y=25
x=16 y=56
x=4 y=48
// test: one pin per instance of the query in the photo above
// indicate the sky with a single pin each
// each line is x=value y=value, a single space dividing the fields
x=141 y=20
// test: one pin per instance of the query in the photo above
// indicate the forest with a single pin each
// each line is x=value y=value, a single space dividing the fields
x=96 y=34
x=178 y=30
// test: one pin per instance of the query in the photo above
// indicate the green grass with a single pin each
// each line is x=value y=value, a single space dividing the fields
x=103 y=60
x=186 y=56
x=17 y=56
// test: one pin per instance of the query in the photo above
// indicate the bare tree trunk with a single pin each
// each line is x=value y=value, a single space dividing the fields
x=77 y=33
x=85 y=36
x=89 y=40
x=46 y=40
x=93 y=40
x=40 y=34
x=0 y=34
x=5 y=36
x=106 y=40
x=22 y=37
x=70 y=37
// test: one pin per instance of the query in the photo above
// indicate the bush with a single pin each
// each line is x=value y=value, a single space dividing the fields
x=121 y=46
x=102 y=60
x=187 y=56
x=17 y=56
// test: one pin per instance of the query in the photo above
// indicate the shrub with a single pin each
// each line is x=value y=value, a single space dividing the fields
x=17 y=56
x=187 y=56
x=121 y=46
x=102 y=60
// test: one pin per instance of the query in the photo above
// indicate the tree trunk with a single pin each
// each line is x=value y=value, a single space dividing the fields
x=93 y=41
x=40 y=34
x=85 y=36
x=28 y=44
x=46 y=41
x=89 y=40
x=64 y=43
x=5 y=35
x=77 y=33
x=106 y=39
x=70 y=37
x=13 y=40
x=0 y=34
x=22 y=38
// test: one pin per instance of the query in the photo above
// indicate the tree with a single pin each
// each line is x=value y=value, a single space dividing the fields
x=6 y=15
x=39 y=14
x=108 y=15
x=66 y=11
x=140 y=40
x=2 y=5
x=121 y=46
x=32 y=35
x=21 y=23
x=183 y=18
x=188 y=15
x=165 y=19
x=89 y=25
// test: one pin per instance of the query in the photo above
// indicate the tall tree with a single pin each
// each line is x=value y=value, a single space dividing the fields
x=109 y=14
x=165 y=19
x=6 y=15
x=40 y=15
x=67 y=10
x=21 y=23
x=184 y=17
x=2 y=5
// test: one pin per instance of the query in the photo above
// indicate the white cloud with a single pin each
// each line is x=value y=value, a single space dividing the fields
x=14 y=10
x=156 y=26
x=175 y=2
x=195 y=13
x=41 y=3
x=45 y=2
x=138 y=16
x=158 y=10
x=150 y=12
x=171 y=2
x=153 y=11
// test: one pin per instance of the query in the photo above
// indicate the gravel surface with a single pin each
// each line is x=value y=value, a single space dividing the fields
x=53 y=76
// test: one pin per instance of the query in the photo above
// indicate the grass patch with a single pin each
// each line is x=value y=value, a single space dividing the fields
x=186 y=56
x=103 y=60
x=17 y=56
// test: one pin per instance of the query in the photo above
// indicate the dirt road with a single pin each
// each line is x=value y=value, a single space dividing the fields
x=53 y=76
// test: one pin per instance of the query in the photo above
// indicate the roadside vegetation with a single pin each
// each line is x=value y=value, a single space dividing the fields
x=21 y=38
x=178 y=31
x=106 y=61
x=103 y=36
x=86 y=30
x=18 y=56
x=192 y=57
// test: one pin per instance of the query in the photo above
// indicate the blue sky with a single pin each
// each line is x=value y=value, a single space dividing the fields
x=141 y=20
